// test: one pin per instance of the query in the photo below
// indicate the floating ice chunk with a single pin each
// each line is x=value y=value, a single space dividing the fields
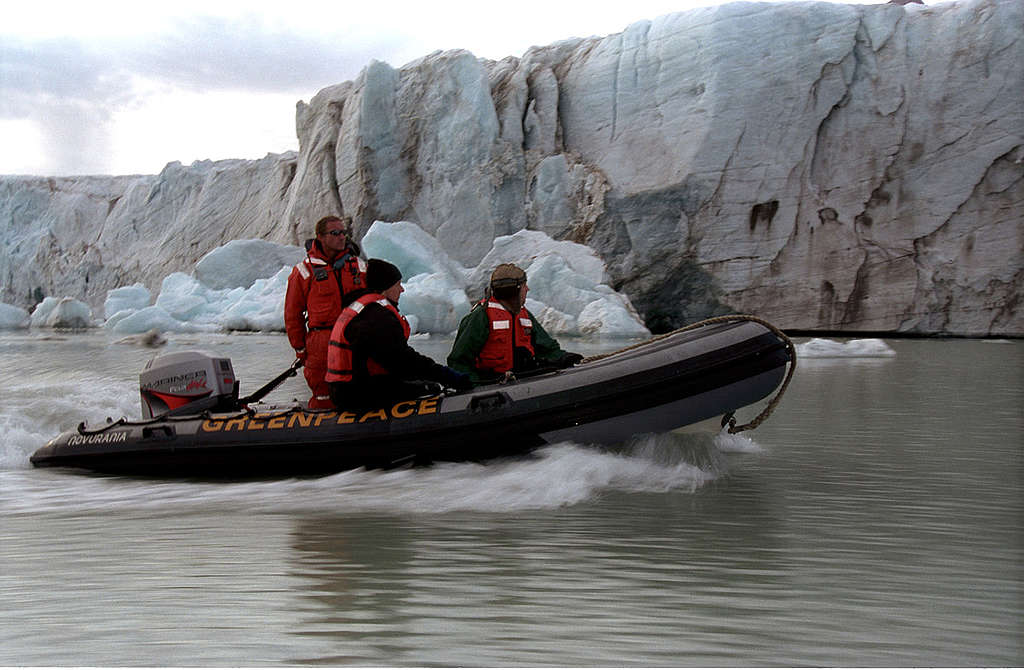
x=117 y=317
x=566 y=291
x=13 y=317
x=549 y=317
x=260 y=308
x=434 y=299
x=70 y=313
x=862 y=348
x=437 y=302
x=133 y=297
x=183 y=297
x=610 y=315
x=61 y=313
x=42 y=311
x=239 y=263
x=189 y=304
x=152 y=318
x=595 y=308
x=526 y=246
x=412 y=249
x=242 y=286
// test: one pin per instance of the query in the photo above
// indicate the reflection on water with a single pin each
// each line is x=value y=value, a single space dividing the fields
x=874 y=520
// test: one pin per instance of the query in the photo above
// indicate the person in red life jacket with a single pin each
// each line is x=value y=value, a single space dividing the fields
x=313 y=301
x=369 y=361
x=500 y=335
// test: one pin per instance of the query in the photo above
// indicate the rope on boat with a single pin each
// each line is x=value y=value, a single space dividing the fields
x=205 y=414
x=728 y=419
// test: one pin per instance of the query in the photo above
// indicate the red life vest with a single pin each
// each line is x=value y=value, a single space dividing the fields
x=339 y=350
x=507 y=333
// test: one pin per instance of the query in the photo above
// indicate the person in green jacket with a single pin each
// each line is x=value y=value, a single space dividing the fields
x=500 y=336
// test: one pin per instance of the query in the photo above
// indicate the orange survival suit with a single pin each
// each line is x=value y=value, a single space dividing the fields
x=312 y=304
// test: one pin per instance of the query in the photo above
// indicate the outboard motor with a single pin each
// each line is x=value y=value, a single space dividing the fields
x=187 y=382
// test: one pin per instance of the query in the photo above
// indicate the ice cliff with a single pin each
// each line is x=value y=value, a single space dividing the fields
x=827 y=167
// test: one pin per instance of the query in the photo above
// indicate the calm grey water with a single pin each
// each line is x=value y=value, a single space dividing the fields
x=874 y=520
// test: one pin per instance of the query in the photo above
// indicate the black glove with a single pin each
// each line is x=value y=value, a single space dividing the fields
x=459 y=381
x=568 y=360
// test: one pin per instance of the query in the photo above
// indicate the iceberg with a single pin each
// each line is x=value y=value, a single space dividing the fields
x=260 y=307
x=819 y=347
x=412 y=249
x=152 y=318
x=437 y=302
x=567 y=292
x=13 y=317
x=132 y=298
x=64 y=312
x=242 y=286
x=527 y=246
x=240 y=263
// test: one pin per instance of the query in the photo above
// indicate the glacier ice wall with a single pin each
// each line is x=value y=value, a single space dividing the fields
x=827 y=167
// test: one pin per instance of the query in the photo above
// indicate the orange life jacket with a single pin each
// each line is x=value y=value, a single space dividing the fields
x=507 y=333
x=339 y=350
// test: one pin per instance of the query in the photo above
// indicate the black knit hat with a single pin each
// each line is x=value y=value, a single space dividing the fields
x=381 y=275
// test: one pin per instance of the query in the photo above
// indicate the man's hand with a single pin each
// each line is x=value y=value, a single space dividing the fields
x=459 y=381
x=568 y=360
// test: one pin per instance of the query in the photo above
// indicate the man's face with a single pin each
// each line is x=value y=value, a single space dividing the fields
x=333 y=240
x=394 y=292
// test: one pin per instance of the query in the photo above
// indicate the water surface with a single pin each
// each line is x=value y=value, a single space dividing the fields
x=873 y=520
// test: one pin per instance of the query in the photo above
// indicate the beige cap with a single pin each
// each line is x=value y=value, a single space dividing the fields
x=507 y=275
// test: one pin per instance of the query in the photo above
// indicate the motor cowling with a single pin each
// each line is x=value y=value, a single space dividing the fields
x=187 y=382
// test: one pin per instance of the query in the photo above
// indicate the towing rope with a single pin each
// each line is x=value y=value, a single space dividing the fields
x=729 y=418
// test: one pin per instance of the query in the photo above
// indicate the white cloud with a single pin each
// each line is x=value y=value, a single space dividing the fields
x=177 y=125
x=206 y=87
x=20 y=153
x=121 y=86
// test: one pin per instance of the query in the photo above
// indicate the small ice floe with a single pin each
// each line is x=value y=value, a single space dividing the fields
x=864 y=348
x=65 y=312
x=12 y=317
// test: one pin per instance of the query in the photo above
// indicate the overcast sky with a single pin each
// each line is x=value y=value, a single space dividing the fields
x=126 y=87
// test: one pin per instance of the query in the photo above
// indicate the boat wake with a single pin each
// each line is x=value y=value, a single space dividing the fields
x=28 y=419
x=557 y=476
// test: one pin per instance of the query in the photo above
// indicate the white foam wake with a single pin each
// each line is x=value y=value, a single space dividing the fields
x=556 y=476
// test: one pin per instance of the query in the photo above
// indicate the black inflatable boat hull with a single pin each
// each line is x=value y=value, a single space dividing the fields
x=659 y=386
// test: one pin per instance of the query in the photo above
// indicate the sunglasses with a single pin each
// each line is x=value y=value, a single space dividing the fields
x=335 y=233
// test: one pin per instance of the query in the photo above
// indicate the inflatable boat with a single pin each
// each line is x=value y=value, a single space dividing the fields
x=194 y=423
